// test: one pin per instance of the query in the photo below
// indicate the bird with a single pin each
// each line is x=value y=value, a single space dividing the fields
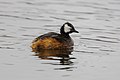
x=55 y=41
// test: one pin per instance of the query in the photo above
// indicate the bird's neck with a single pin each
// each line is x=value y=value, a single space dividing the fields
x=65 y=35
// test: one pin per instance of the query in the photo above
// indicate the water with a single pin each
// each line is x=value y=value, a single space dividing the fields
x=96 y=54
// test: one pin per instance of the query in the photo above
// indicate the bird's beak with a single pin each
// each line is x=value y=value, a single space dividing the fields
x=75 y=31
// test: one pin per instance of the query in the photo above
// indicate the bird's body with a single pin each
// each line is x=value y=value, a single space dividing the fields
x=54 y=40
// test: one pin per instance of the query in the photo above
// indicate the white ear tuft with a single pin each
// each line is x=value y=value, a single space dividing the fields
x=67 y=28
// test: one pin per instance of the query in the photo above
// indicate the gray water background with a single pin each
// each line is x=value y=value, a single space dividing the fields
x=97 y=46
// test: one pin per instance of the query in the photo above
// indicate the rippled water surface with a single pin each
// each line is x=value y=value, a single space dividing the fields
x=96 y=54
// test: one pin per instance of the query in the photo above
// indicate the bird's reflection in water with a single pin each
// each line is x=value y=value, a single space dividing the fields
x=59 y=55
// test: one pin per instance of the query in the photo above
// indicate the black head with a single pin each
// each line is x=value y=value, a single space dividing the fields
x=67 y=28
